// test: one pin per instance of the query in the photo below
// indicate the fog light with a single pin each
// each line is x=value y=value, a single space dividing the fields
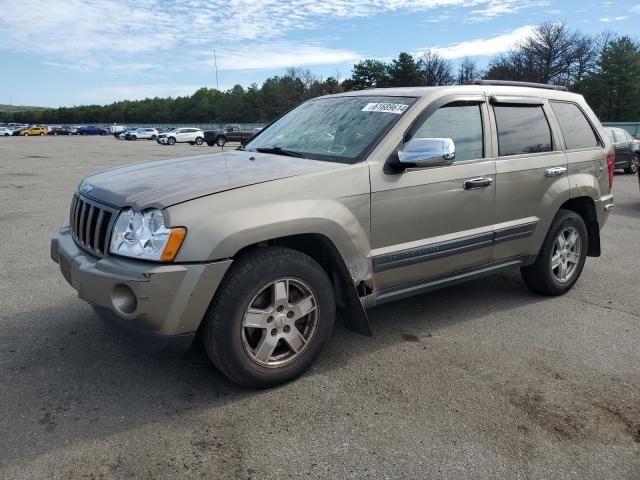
x=123 y=299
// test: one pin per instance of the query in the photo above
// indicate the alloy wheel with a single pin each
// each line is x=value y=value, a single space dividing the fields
x=566 y=254
x=280 y=322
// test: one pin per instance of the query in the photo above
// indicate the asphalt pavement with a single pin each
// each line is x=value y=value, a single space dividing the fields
x=484 y=380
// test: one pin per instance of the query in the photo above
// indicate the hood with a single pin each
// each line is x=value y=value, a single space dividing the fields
x=163 y=183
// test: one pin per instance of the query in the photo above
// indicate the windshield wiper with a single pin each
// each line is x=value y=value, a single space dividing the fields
x=279 y=151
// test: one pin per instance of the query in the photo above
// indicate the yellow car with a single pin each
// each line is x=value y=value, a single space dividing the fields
x=34 y=131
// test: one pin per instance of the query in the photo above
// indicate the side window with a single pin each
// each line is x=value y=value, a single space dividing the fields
x=459 y=122
x=619 y=136
x=522 y=129
x=610 y=135
x=575 y=127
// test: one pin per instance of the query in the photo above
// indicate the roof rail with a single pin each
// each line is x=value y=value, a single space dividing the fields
x=509 y=83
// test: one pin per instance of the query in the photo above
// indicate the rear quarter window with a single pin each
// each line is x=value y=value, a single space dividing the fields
x=522 y=129
x=576 y=129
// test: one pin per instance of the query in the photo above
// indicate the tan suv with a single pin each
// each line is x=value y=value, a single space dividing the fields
x=345 y=202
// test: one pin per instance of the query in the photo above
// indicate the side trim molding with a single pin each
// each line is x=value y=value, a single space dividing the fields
x=432 y=251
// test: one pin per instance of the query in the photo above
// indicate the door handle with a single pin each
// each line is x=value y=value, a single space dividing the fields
x=477 y=183
x=555 y=171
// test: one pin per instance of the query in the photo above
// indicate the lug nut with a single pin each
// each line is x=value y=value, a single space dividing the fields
x=269 y=319
x=280 y=308
x=287 y=329
x=274 y=332
x=290 y=314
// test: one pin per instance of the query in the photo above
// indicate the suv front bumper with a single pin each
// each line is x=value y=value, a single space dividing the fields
x=156 y=306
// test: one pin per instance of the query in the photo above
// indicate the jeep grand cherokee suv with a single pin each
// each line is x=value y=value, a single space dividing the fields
x=346 y=202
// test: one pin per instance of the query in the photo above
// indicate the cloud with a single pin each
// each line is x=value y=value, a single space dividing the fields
x=112 y=93
x=482 y=46
x=89 y=35
x=280 y=55
x=613 y=19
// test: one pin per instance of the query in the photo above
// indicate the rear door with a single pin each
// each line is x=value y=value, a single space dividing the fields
x=624 y=150
x=532 y=180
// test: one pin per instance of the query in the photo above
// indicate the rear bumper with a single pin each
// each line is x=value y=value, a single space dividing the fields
x=604 y=205
x=156 y=306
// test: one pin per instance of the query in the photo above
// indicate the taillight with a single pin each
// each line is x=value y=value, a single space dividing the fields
x=611 y=165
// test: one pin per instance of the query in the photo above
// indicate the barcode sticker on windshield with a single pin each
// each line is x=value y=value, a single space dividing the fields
x=397 y=108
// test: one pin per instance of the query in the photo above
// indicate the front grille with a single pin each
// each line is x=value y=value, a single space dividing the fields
x=91 y=224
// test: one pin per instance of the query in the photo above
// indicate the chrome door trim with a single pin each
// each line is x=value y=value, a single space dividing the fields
x=432 y=251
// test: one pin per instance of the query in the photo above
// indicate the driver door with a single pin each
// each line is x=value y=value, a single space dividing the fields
x=434 y=221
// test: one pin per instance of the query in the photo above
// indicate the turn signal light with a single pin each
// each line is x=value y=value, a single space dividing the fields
x=176 y=237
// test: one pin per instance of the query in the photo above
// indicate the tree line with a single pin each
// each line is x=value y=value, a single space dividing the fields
x=604 y=68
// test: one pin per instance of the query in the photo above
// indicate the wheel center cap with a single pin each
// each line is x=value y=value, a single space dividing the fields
x=280 y=321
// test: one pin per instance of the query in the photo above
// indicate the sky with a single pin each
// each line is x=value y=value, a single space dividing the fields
x=72 y=52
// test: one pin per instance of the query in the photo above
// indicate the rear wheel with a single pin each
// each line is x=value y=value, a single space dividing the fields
x=41 y=134
x=153 y=137
x=220 y=141
x=634 y=165
x=199 y=141
x=561 y=258
x=270 y=318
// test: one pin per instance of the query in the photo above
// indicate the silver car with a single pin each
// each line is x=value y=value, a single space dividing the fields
x=346 y=202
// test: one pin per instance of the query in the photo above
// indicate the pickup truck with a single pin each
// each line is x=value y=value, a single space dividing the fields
x=228 y=133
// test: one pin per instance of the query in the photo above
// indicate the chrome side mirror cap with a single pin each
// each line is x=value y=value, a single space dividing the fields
x=428 y=152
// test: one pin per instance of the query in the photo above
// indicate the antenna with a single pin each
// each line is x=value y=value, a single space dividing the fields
x=215 y=63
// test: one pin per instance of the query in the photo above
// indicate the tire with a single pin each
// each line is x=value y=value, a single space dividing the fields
x=211 y=144
x=41 y=134
x=171 y=141
x=235 y=350
x=220 y=141
x=541 y=277
x=635 y=164
x=199 y=141
x=133 y=137
x=154 y=137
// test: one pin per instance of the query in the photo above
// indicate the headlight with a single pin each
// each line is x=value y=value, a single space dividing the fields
x=143 y=235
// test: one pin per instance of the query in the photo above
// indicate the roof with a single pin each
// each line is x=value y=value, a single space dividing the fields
x=513 y=90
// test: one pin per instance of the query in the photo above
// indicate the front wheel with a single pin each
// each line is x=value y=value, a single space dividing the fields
x=199 y=141
x=171 y=141
x=270 y=318
x=634 y=165
x=561 y=258
x=133 y=137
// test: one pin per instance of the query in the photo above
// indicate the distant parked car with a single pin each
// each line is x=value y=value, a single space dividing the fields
x=91 y=130
x=16 y=131
x=142 y=133
x=59 y=131
x=626 y=157
x=33 y=131
x=194 y=136
x=123 y=135
x=228 y=133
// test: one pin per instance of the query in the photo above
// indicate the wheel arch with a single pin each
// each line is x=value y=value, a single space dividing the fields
x=347 y=292
x=586 y=208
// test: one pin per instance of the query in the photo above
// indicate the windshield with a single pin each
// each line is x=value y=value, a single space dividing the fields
x=335 y=129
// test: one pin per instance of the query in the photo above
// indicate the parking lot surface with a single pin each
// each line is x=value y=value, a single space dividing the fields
x=482 y=380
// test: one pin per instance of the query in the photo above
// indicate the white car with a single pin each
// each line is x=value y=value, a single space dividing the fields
x=142 y=133
x=194 y=136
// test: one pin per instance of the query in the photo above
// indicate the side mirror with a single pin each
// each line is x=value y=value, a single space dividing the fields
x=428 y=152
